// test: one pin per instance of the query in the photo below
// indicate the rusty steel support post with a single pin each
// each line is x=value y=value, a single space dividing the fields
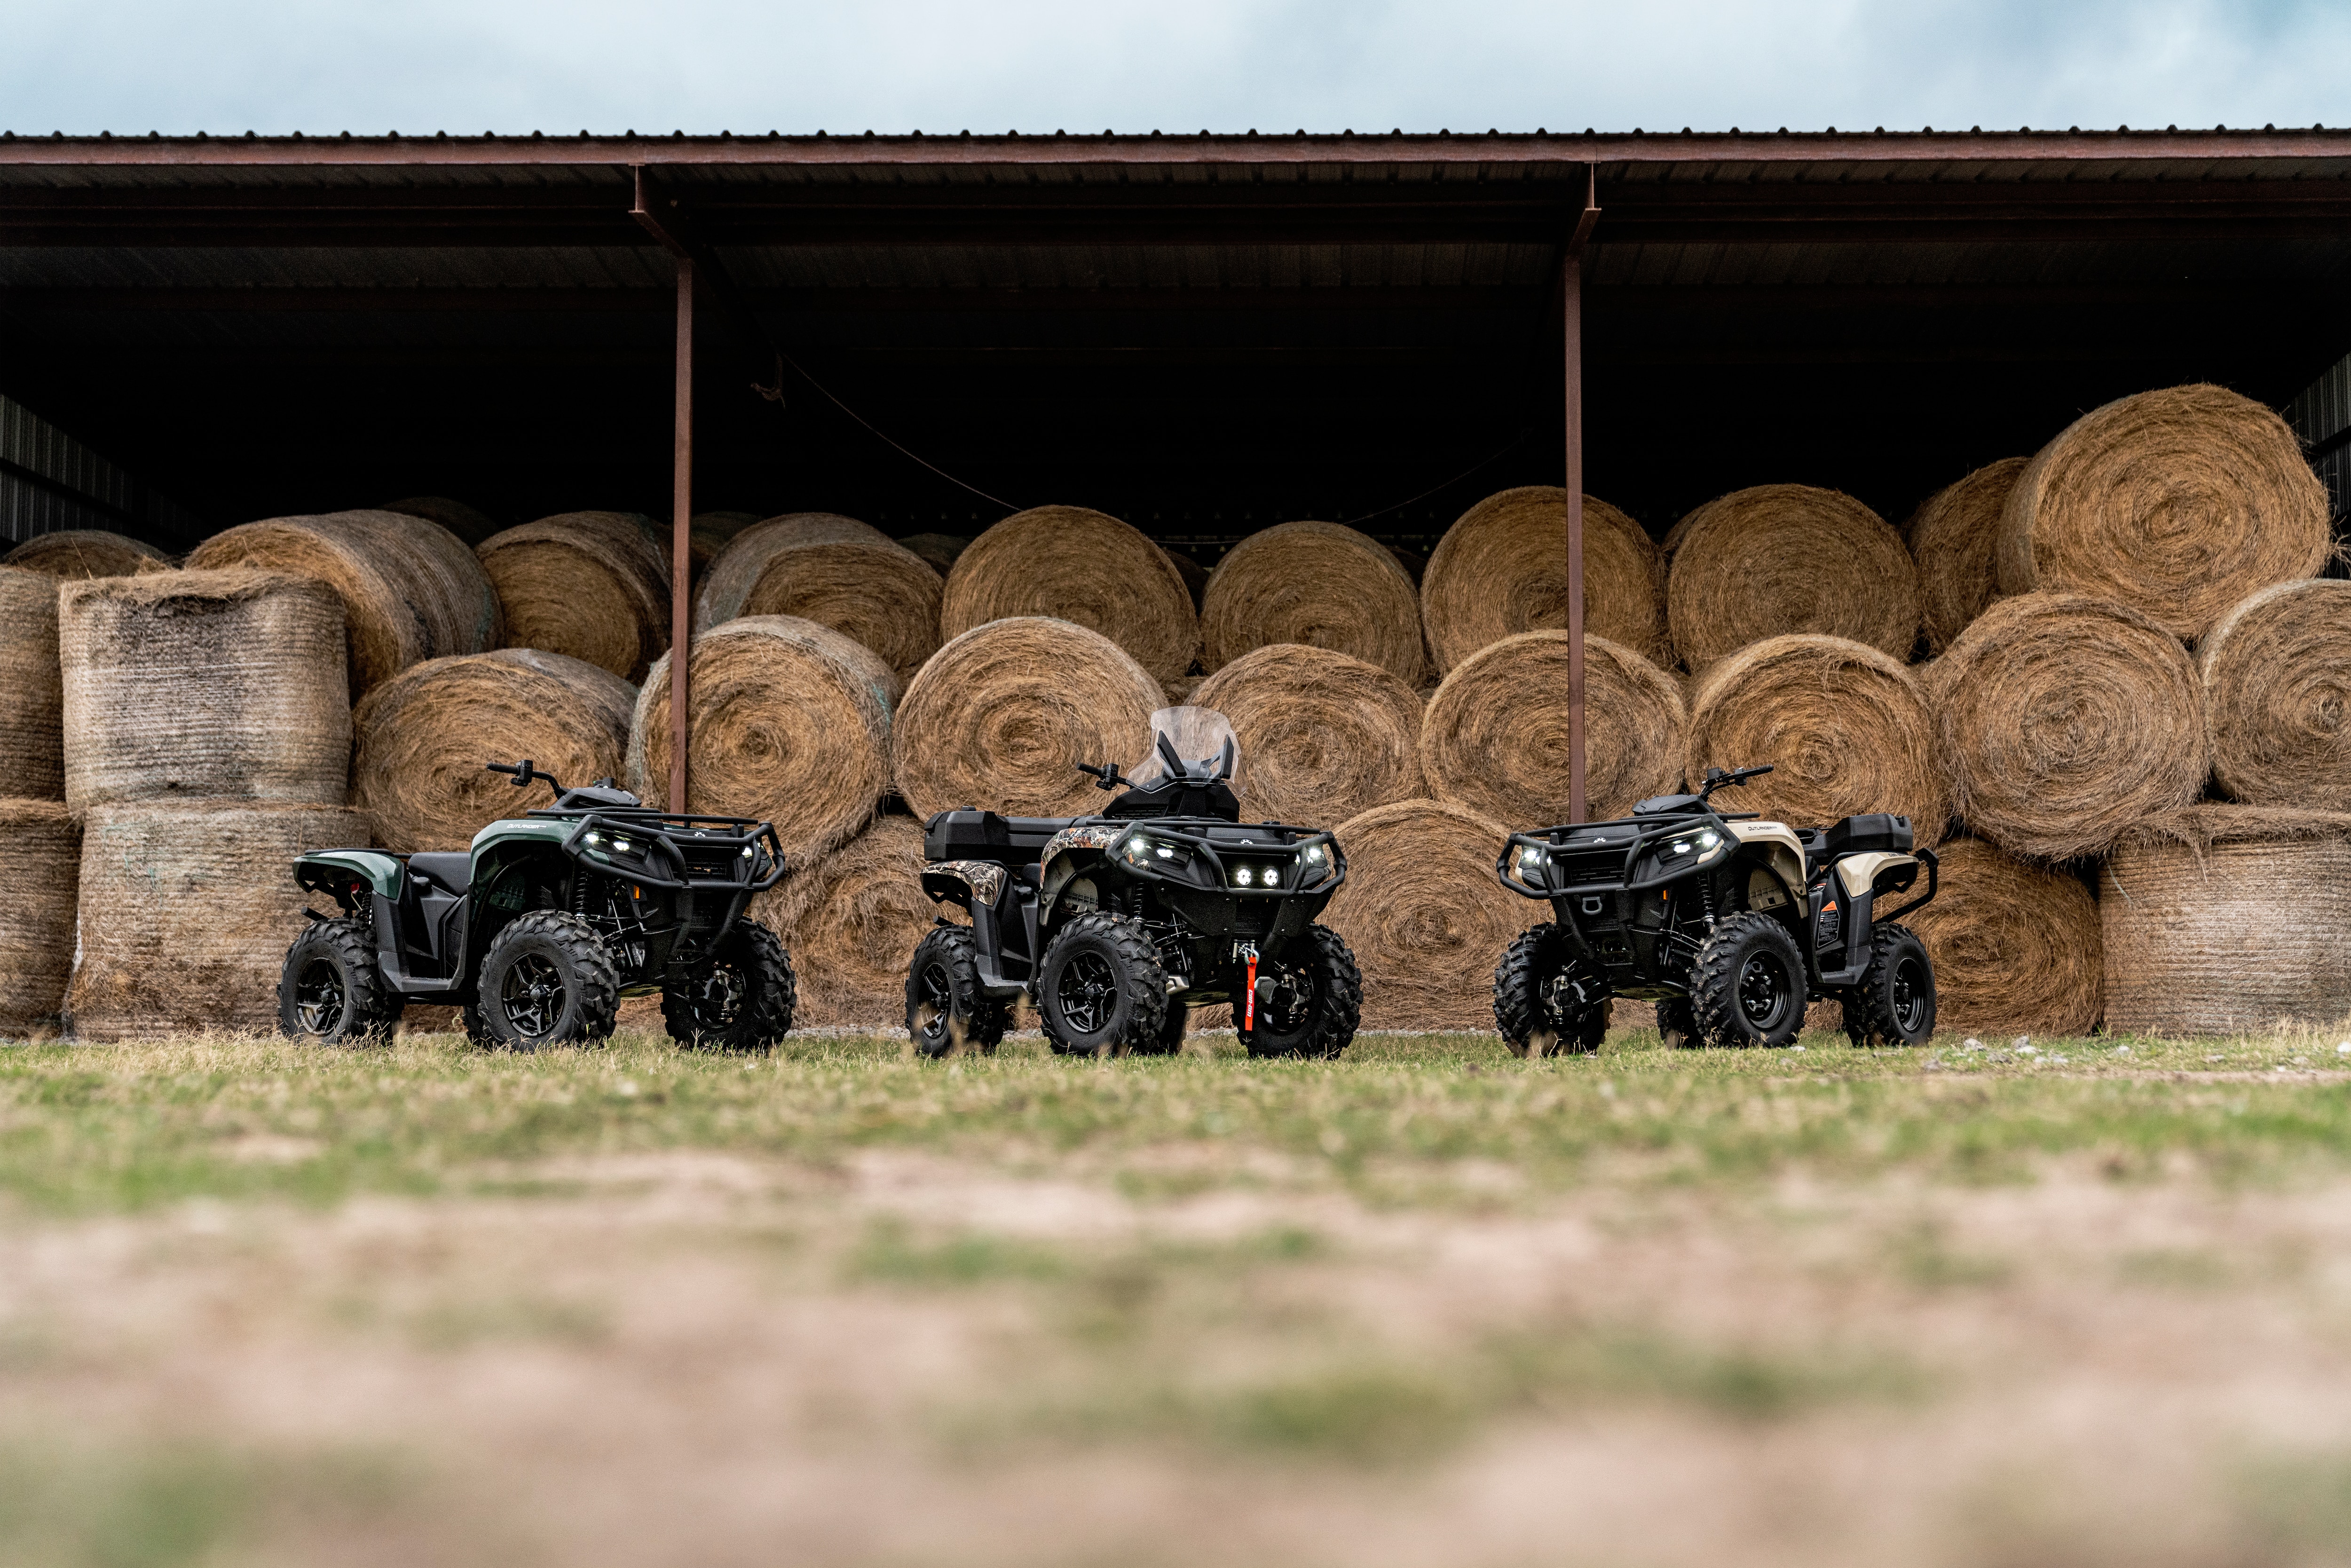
x=681 y=550
x=1570 y=301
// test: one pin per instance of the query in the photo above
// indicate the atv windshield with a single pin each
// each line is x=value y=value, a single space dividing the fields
x=1202 y=741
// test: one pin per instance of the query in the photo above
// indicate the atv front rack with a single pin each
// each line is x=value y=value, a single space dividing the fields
x=654 y=829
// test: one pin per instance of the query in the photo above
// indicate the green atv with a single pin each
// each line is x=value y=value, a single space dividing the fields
x=541 y=927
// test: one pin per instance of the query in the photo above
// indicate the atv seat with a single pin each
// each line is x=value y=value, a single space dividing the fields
x=1873 y=831
x=451 y=869
x=985 y=836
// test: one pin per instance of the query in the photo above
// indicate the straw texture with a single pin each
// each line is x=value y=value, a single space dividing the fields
x=1320 y=584
x=2065 y=721
x=1501 y=569
x=468 y=523
x=707 y=534
x=837 y=572
x=203 y=684
x=1079 y=566
x=32 y=717
x=2178 y=503
x=84 y=552
x=1195 y=575
x=1001 y=716
x=1324 y=737
x=426 y=735
x=1845 y=729
x=851 y=920
x=1496 y=736
x=1778 y=558
x=2277 y=694
x=588 y=585
x=38 y=876
x=2220 y=919
x=1954 y=536
x=2018 y=948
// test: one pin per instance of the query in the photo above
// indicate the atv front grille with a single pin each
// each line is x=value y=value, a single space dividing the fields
x=713 y=862
x=1604 y=868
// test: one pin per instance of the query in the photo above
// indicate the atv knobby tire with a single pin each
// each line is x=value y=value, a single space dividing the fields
x=547 y=979
x=1100 y=991
x=1527 y=997
x=1747 y=984
x=946 y=1012
x=1328 y=1020
x=331 y=991
x=1895 y=1003
x=741 y=1001
x=1171 y=1029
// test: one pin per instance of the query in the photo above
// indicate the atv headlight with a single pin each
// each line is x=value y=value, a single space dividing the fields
x=1532 y=857
x=1699 y=845
x=1315 y=857
x=1271 y=875
x=1244 y=876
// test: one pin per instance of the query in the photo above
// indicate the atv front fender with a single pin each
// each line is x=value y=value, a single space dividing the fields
x=964 y=882
x=333 y=871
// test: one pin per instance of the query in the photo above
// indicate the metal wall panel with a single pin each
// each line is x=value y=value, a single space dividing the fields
x=49 y=482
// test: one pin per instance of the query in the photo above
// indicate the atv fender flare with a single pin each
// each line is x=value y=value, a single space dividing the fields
x=336 y=871
x=964 y=882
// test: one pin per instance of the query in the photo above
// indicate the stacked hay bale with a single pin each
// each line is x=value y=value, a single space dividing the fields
x=85 y=552
x=707 y=534
x=1779 y=559
x=410 y=589
x=1079 y=566
x=469 y=524
x=36 y=875
x=1323 y=736
x=588 y=585
x=835 y=571
x=941 y=550
x=850 y=920
x=1501 y=570
x=1320 y=584
x=2017 y=948
x=207 y=743
x=1195 y=576
x=2276 y=673
x=1954 y=538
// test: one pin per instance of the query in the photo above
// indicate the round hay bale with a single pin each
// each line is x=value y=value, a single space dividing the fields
x=412 y=589
x=2065 y=719
x=2178 y=503
x=942 y=551
x=790 y=723
x=36 y=914
x=203 y=684
x=1425 y=915
x=707 y=534
x=2017 y=946
x=2223 y=919
x=426 y=733
x=32 y=714
x=851 y=921
x=1414 y=564
x=1777 y=559
x=464 y=521
x=837 y=572
x=2277 y=696
x=1502 y=570
x=1496 y=736
x=186 y=911
x=1082 y=567
x=1846 y=730
x=1182 y=689
x=1324 y=737
x=1953 y=537
x=1319 y=584
x=1001 y=716
x=1195 y=575
x=84 y=552
x=1671 y=543
x=588 y=585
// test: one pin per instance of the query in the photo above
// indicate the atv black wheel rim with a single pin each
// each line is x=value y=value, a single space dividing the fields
x=1762 y=991
x=1087 y=993
x=1909 y=997
x=1291 y=1004
x=318 y=998
x=718 y=997
x=931 y=1014
x=532 y=996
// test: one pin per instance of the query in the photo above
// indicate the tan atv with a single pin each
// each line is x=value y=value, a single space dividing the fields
x=1729 y=924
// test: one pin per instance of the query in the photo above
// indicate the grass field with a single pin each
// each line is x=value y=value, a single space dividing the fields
x=2074 y=1302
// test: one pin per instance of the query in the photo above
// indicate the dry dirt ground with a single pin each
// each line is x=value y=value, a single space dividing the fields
x=1020 y=1345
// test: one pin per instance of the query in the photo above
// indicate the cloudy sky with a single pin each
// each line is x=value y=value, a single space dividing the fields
x=370 y=66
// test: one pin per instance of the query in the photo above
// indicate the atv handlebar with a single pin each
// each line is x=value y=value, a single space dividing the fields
x=525 y=773
x=1716 y=779
x=1104 y=777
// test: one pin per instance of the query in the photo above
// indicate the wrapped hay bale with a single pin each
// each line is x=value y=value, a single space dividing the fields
x=837 y=572
x=186 y=910
x=426 y=735
x=2063 y=720
x=1079 y=566
x=32 y=718
x=84 y=552
x=1424 y=915
x=588 y=585
x=2177 y=503
x=2017 y=948
x=36 y=914
x=1953 y=537
x=2277 y=696
x=1320 y=584
x=1776 y=559
x=412 y=589
x=2221 y=919
x=790 y=723
x=203 y=685
x=941 y=550
x=1001 y=716
x=467 y=523
x=1322 y=736
x=1496 y=735
x=1502 y=568
x=707 y=534
x=1846 y=730
x=851 y=920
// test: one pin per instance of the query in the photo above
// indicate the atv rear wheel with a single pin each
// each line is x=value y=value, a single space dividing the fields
x=331 y=991
x=1544 y=1000
x=1315 y=1004
x=1895 y=1003
x=1747 y=984
x=945 y=1009
x=547 y=979
x=742 y=1000
x=1100 y=991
